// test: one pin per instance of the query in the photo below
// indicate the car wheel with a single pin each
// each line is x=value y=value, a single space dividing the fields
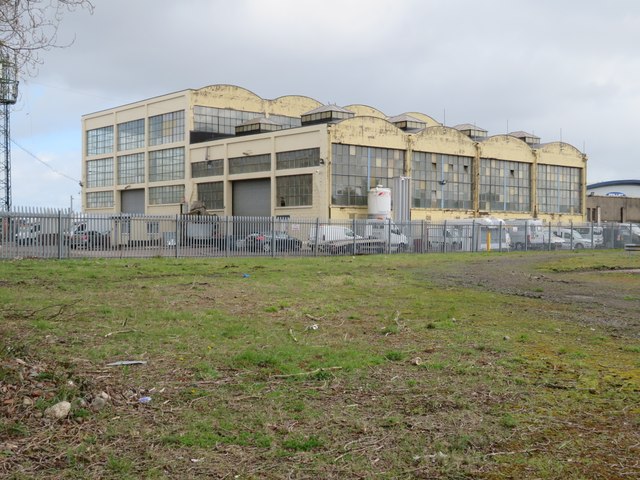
x=266 y=247
x=402 y=248
x=579 y=246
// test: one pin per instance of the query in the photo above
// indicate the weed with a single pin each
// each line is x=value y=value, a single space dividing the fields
x=394 y=356
x=302 y=443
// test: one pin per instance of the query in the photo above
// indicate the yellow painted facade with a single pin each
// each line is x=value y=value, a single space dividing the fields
x=139 y=147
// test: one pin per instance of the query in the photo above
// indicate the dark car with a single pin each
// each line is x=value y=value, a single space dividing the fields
x=82 y=237
x=261 y=242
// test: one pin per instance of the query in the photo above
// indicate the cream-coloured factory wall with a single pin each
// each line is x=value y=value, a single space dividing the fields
x=238 y=98
x=369 y=131
x=560 y=153
x=446 y=140
x=506 y=147
x=291 y=105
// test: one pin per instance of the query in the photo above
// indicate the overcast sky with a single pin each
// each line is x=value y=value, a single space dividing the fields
x=561 y=69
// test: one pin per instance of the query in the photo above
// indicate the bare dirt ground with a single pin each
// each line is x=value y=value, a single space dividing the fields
x=607 y=297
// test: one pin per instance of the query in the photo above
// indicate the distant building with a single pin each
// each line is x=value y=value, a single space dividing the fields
x=613 y=201
x=240 y=154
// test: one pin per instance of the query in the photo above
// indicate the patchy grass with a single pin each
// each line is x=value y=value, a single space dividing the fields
x=434 y=366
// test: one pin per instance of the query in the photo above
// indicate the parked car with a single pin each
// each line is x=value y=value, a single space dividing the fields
x=262 y=242
x=82 y=236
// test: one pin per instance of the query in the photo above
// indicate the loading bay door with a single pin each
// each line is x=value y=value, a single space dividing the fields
x=252 y=198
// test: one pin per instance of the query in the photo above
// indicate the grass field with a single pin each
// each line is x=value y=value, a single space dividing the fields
x=405 y=366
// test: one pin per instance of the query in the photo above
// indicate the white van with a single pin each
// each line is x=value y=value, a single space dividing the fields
x=572 y=238
x=326 y=235
x=388 y=232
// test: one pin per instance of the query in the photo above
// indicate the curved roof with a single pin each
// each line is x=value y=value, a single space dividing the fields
x=425 y=118
x=560 y=145
x=365 y=111
x=613 y=183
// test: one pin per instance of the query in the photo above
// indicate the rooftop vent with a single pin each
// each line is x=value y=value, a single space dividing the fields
x=257 y=125
x=526 y=137
x=471 y=131
x=326 y=114
x=407 y=123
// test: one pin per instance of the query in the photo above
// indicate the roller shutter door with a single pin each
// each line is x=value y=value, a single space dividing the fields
x=252 y=198
x=132 y=201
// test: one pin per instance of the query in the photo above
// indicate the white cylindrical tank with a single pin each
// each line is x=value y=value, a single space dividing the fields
x=379 y=202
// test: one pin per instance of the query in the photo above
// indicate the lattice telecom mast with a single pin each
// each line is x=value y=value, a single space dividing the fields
x=8 y=96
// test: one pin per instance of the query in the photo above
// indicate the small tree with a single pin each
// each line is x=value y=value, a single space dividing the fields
x=29 y=27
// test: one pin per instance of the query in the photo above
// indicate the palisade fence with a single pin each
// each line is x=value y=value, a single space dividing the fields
x=51 y=233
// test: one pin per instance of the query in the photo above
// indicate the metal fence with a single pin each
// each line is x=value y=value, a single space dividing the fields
x=43 y=233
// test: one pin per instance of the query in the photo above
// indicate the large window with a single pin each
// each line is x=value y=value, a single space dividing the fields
x=294 y=190
x=208 y=168
x=250 y=163
x=99 y=199
x=224 y=121
x=309 y=157
x=166 y=195
x=100 y=173
x=559 y=189
x=505 y=185
x=166 y=128
x=131 y=135
x=211 y=194
x=441 y=181
x=100 y=141
x=131 y=169
x=166 y=165
x=356 y=169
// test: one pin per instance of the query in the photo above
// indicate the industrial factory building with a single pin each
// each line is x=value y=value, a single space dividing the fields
x=242 y=155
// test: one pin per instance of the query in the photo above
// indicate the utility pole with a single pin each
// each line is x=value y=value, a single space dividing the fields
x=8 y=96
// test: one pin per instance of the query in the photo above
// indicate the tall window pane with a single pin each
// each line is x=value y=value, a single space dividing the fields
x=505 y=185
x=100 y=173
x=166 y=128
x=559 y=189
x=356 y=169
x=295 y=190
x=131 y=135
x=100 y=141
x=166 y=164
x=211 y=194
x=441 y=181
x=131 y=169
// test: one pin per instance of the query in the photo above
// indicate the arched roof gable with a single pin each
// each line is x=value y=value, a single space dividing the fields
x=424 y=117
x=559 y=146
x=292 y=104
x=365 y=111
x=443 y=130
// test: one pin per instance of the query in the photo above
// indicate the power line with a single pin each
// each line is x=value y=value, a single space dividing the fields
x=33 y=155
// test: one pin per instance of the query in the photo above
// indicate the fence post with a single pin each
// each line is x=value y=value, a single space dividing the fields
x=177 y=235
x=474 y=247
x=273 y=237
x=60 y=235
x=444 y=237
x=571 y=226
x=353 y=229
